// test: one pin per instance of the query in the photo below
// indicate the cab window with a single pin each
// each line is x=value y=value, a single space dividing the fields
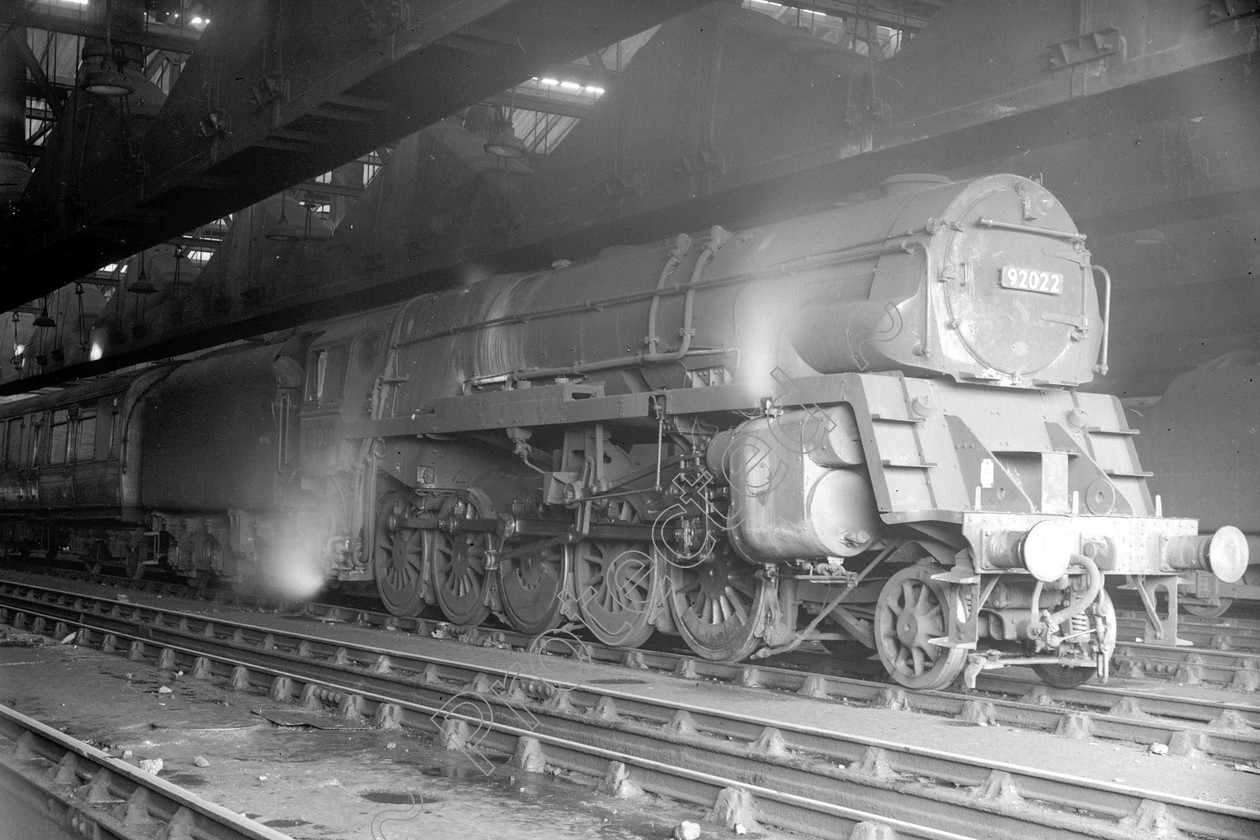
x=326 y=375
x=367 y=351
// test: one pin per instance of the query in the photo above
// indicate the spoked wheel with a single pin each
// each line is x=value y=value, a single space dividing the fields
x=717 y=605
x=398 y=557
x=208 y=558
x=618 y=587
x=96 y=559
x=529 y=589
x=133 y=565
x=911 y=611
x=1209 y=610
x=1102 y=616
x=459 y=573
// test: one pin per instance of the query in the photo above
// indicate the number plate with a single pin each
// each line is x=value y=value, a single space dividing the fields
x=1032 y=280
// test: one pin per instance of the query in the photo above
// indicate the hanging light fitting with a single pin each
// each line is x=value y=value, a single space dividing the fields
x=43 y=320
x=283 y=230
x=505 y=144
x=142 y=286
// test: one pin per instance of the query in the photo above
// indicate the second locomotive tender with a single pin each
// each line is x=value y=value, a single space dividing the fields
x=858 y=427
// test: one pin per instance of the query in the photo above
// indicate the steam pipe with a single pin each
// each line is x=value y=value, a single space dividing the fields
x=675 y=257
x=1052 y=620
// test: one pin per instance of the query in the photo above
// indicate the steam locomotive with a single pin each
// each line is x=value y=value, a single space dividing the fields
x=858 y=428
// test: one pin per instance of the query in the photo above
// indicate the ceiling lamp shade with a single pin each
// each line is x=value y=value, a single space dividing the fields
x=103 y=74
x=313 y=227
x=43 y=320
x=282 y=230
x=505 y=144
x=107 y=82
x=142 y=286
x=285 y=231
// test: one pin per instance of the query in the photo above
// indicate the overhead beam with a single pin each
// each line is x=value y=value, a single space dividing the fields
x=277 y=93
x=17 y=38
x=154 y=37
x=876 y=13
x=23 y=149
x=534 y=100
x=819 y=185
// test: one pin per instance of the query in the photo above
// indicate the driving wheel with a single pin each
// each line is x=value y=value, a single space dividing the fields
x=398 y=557
x=718 y=605
x=134 y=565
x=529 y=589
x=618 y=585
x=459 y=571
x=97 y=559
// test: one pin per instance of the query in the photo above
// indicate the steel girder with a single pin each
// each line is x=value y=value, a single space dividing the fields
x=280 y=91
x=1187 y=67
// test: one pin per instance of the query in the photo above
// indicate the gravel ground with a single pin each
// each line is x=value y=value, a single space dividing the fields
x=318 y=779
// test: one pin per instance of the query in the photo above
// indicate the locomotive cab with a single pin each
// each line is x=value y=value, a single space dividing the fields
x=343 y=384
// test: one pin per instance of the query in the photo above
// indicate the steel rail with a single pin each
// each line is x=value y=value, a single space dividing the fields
x=1231 y=634
x=1185 y=725
x=739 y=749
x=54 y=782
x=465 y=726
x=1239 y=669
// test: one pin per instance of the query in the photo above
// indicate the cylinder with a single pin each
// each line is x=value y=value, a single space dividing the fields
x=789 y=499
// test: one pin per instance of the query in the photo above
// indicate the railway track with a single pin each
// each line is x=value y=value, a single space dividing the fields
x=1184 y=724
x=792 y=770
x=1186 y=665
x=1231 y=640
x=50 y=781
x=1228 y=633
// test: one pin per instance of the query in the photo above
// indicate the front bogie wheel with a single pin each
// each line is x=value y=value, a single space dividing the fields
x=1209 y=610
x=1102 y=618
x=913 y=609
